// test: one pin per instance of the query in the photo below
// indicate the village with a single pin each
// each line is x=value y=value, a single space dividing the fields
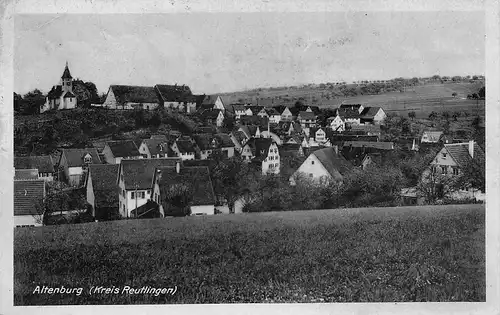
x=172 y=173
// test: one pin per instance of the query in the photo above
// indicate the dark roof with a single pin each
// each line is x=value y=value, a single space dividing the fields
x=255 y=109
x=154 y=145
x=140 y=172
x=259 y=147
x=26 y=174
x=104 y=183
x=289 y=149
x=210 y=100
x=66 y=73
x=356 y=154
x=369 y=112
x=123 y=148
x=333 y=161
x=55 y=92
x=365 y=128
x=347 y=113
x=432 y=136
x=351 y=106
x=280 y=108
x=175 y=93
x=159 y=137
x=134 y=94
x=147 y=210
x=27 y=193
x=307 y=115
x=224 y=140
x=197 y=178
x=239 y=135
x=460 y=153
x=185 y=146
x=74 y=157
x=238 y=107
x=253 y=120
x=69 y=94
x=43 y=163
x=272 y=112
x=203 y=141
x=206 y=129
x=370 y=144
x=213 y=114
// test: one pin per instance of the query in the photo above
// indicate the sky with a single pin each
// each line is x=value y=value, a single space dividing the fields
x=225 y=52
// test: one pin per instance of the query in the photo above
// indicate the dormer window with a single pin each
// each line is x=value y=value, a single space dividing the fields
x=87 y=159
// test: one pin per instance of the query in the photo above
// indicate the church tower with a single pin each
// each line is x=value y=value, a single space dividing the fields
x=67 y=80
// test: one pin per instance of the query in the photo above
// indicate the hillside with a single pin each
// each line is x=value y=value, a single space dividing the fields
x=432 y=253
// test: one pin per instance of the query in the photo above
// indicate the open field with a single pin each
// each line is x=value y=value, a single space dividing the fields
x=432 y=253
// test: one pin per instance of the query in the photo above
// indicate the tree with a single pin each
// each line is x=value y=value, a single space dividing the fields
x=472 y=175
x=86 y=93
x=482 y=93
x=17 y=102
x=433 y=115
x=177 y=198
x=454 y=94
x=411 y=115
x=299 y=104
x=433 y=186
x=32 y=102
x=446 y=115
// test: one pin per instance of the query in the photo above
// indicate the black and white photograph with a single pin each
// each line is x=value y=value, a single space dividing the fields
x=211 y=157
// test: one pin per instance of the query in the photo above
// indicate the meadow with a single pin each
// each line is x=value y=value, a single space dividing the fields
x=429 y=253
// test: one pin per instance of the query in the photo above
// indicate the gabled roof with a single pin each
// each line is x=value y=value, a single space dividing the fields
x=259 y=147
x=333 y=161
x=239 y=135
x=280 y=108
x=366 y=128
x=104 y=183
x=123 y=148
x=255 y=109
x=140 y=172
x=239 y=108
x=74 y=157
x=370 y=144
x=203 y=141
x=55 y=92
x=157 y=146
x=460 y=153
x=289 y=149
x=197 y=178
x=432 y=136
x=210 y=100
x=213 y=114
x=66 y=74
x=369 y=112
x=185 y=146
x=272 y=112
x=134 y=94
x=69 y=94
x=175 y=93
x=224 y=140
x=253 y=120
x=351 y=106
x=43 y=163
x=159 y=137
x=306 y=115
x=27 y=193
x=347 y=113
x=26 y=174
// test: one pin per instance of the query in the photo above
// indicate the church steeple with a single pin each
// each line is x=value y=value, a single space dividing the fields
x=66 y=73
x=67 y=80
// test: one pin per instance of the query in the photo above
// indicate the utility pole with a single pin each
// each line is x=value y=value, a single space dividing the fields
x=136 y=201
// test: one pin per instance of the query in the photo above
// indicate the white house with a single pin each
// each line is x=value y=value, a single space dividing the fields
x=321 y=167
x=42 y=163
x=154 y=148
x=264 y=153
x=61 y=96
x=274 y=116
x=194 y=180
x=336 y=123
x=184 y=149
x=372 y=115
x=213 y=117
x=263 y=113
x=135 y=182
x=27 y=194
x=286 y=115
x=431 y=136
x=131 y=97
x=239 y=110
x=213 y=102
x=177 y=97
x=74 y=164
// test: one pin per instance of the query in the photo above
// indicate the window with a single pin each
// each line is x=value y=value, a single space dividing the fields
x=455 y=170
x=123 y=208
x=142 y=195
x=123 y=193
x=149 y=192
x=312 y=162
x=433 y=169
x=310 y=175
x=443 y=169
x=444 y=155
x=132 y=195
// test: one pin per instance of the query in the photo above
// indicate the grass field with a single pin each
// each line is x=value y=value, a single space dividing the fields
x=434 y=253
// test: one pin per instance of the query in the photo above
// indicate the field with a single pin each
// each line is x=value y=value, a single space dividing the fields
x=422 y=99
x=432 y=253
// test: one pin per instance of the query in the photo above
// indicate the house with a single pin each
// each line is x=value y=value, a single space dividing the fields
x=306 y=119
x=274 y=116
x=336 y=123
x=272 y=135
x=371 y=159
x=352 y=107
x=194 y=181
x=370 y=130
x=116 y=151
x=212 y=102
x=290 y=127
x=131 y=97
x=452 y=157
x=363 y=156
x=318 y=134
x=250 y=131
x=321 y=167
x=372 y=115
x=208 y=144
x=61 y=96
x=263 y=113
x=177 y=97
x=27 y=174
x=135 y=182
x=27 y=194
x=213 y=117
x=431 y=136
x=370 y=144
x=254 y=110
x=253 y=120
x=239 y=110
x=264 y=153
x=74 y=164
x=42 y=163
x=184 y=149
x=101 y=190
x=155 y=148
x=239 y=139
x=286 y=114
x=289 y=149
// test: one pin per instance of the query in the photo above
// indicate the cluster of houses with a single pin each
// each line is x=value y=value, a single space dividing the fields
x=133 y=177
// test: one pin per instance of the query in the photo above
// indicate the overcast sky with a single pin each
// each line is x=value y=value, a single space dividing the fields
x=223 y=52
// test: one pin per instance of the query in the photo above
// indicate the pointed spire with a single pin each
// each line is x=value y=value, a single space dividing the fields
x=66 y=73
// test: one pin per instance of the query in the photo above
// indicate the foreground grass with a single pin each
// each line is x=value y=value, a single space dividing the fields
x=355 y=255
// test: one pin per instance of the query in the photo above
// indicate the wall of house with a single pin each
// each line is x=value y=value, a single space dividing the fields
x=237 y=144
x=75 y=175
x=229 y=151
x=271 y=164
x=90 y=193
x=110 y=101
x=20 y=220
x=286 y=115
x=275 y=119
x=311 y=169
x=379 y=117
x=336 y=123
x=127 y=200
x=220 y=120
x=143 y=149
x=207 y=210
x=246 y=153
x=108 y=155
x=204 y=154
x=444 y=162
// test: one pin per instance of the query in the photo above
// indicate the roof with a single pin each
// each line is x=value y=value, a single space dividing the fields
x=288 y=149
x=140 y=172
x=370 y=144
x=74 y=157
x=224 y=140
x=255 y=109
x=307 y=115
x=333 y=161
x=104 y=183
x=157 y=145
x=253 y=120
x=351 y=106
x=55 y=92
x=197 y=178
x=239 y=135
x=272 y=112
x=159 y=137
x=214 y=113
x=369 y=112
x=26 y=174
x=365 y=128
x=347 y=113
x=210 y=100
x=43 y=163
x=432 y=136
x=460 y=153
x=175 y=93
x=185 y=146
x=66 y=74
x=27 y=193
x=134 y=94
x=123 y=148
x=239 y=108
x=69 y=94
x=259 y=147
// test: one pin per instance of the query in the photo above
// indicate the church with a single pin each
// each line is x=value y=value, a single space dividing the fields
x=61 y=96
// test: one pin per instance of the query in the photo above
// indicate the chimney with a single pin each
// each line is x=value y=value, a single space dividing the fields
x=471 y=148
x=336 y=148
x=178 y=167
